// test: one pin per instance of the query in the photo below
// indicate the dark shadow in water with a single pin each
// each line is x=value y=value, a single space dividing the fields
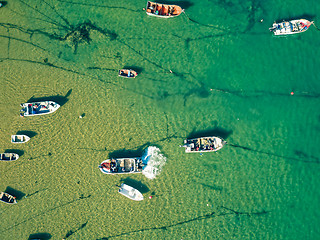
x=18 y=194
x=217 y=131
x=4 y=3
x=125 y=153
x=46 y=212
x=299 y=153
x=31 y=194
x=87 y=3
x=135 y=68
x=135 y=184
x=44 y=155
x=30 y=134
x=182 y=4
x=40 y=236
x=74 y=231
x=17 y=151
x=61 y=100
x=225 y=212
x=212 y=187
x=303 y=16
x=103 y=69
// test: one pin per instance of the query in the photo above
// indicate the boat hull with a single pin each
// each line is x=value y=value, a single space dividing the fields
x=163 y=10
x=38 y=108
x=130 y=192
x=122 y=166
x=8 y=157
x=203 y=144
x=290 y=27
x=19 y=138
x=7 y=198
x=127 y=73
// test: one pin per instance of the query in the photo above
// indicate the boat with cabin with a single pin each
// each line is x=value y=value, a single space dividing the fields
x=19 y=138
x=203 y=144
x=130 y=192
x=7 y=198
x=163 y=10
x=122 y=166
x=8 y=156
x=127 y=73
x=38 y=108
x=290 y=27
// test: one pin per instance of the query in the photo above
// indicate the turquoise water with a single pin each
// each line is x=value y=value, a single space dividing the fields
x=230 y=77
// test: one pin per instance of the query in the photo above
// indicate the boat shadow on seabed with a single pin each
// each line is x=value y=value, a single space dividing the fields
x=61 y=100
x=38 y=236
x=135 y=184
x=217 y=131
x=13 y=192
x=3 y=3
x=17 y=151
x=30 y=134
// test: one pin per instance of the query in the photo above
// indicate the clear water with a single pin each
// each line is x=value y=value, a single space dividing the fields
x=220 y=73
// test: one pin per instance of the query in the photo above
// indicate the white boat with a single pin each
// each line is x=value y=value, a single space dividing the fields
x=38 y=108
x=203 y=144
x=122 y=165
x=7 y=198
x=127 y=73
x=19 y=138
x=290 y=27
x=163 y=10
x=130 y=192
x=8 y=156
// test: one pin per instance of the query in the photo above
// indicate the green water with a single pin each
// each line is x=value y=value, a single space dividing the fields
x=230 y=77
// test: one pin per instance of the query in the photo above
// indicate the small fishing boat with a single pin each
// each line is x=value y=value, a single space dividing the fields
x=203 y=144
x=38 y=108
x=127 y=73
x=8 y=156
x=122 y=166
x=290 y=27
x=19 y=138
x=130 y=192
x=7 y=198
x=163 y=10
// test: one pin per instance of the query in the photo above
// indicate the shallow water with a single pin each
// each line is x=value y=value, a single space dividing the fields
x=229 y=77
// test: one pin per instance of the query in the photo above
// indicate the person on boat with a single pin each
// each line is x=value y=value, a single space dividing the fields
x=158 y=10
x=164 y=10
x=174 y=11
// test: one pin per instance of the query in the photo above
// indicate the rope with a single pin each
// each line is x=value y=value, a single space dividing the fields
x=206 y=25
x=315 y=26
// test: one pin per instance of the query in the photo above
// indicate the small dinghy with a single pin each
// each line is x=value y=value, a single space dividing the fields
x=19 y=138
x=163 y=10
x=8 y=156
x=7 y=198
x=127 y=73
x=130 y=192
x=203 y=144
x=38 y=108
x=290 y=27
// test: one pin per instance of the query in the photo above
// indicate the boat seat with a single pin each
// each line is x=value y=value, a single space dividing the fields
x=127 y=165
